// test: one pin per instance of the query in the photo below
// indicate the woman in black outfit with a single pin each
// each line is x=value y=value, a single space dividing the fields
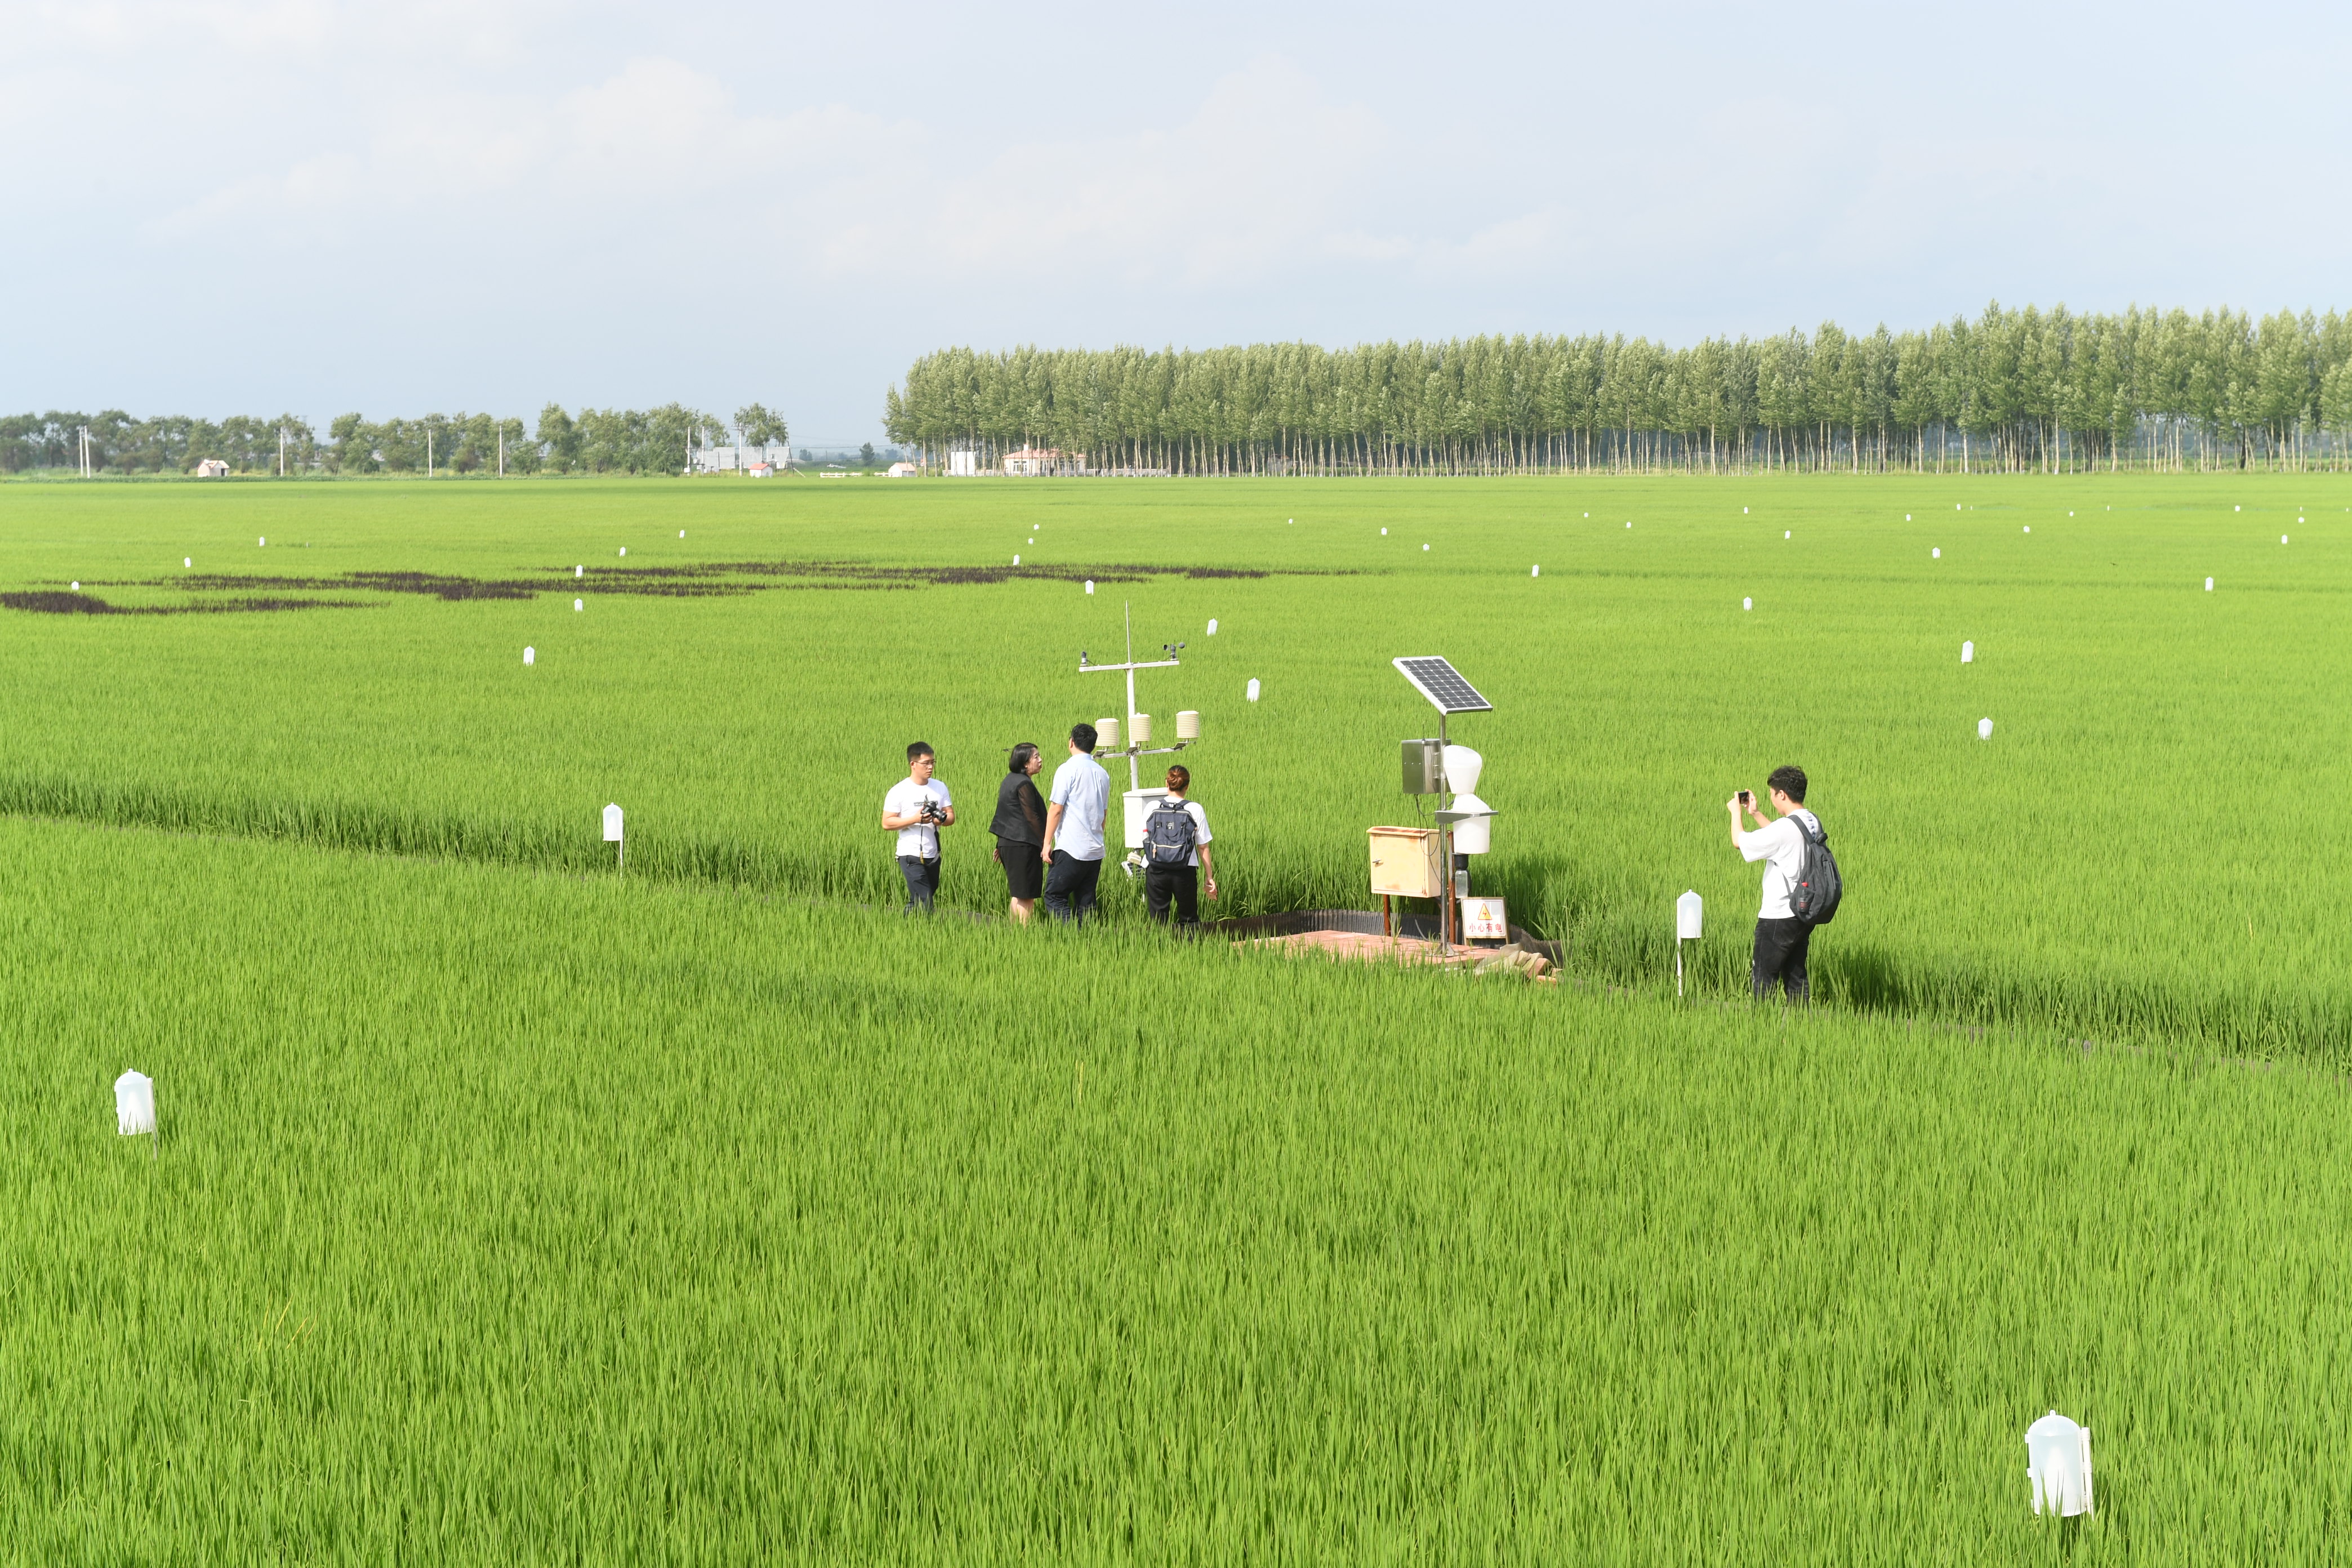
x=1020 y=830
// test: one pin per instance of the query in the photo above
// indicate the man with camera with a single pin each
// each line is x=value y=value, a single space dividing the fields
x=916 y=807
x=1783 y=934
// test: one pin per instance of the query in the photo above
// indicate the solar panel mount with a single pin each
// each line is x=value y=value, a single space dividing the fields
x=1438 y=680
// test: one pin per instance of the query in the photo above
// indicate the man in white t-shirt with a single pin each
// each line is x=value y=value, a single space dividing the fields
x=1080 y=807
x=1781 y=939
x=916 y=807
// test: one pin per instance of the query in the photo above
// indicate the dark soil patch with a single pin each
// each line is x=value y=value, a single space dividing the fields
x=715 y=579
x=52 y=602
x=865 y=575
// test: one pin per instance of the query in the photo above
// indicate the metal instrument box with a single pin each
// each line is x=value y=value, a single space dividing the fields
x=1407 y=863
x=1425 y=767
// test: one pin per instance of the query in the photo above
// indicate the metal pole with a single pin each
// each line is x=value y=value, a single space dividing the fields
x=1678 y=966
x=1445 y=892
x=1134 y=779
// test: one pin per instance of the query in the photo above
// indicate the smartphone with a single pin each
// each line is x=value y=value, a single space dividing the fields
x=1746 y=799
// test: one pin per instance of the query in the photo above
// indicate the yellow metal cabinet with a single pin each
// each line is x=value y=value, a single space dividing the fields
x=1406 y=862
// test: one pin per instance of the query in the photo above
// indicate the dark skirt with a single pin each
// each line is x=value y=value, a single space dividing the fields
x=1024 y=872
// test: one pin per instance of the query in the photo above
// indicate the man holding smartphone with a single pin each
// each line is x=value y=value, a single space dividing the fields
x=1781 y=939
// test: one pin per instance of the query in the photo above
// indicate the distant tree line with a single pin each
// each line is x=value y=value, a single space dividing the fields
x=2011 y=391
x=176 y=443
x=596 y=441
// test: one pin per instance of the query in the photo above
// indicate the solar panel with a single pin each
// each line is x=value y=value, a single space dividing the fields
x=1442 y=685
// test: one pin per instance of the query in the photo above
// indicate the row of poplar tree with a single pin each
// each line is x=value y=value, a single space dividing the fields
x=2025 y=390
x=596 y=441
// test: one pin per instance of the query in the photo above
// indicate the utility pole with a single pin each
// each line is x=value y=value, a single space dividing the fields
x=428 y=454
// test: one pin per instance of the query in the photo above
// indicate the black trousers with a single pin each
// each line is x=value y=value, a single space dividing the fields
x=1070 y=887
x=1780 y=955
x=922 y=881
x=1181 y=883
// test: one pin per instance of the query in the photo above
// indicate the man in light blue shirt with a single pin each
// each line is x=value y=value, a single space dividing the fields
x=1073 y=829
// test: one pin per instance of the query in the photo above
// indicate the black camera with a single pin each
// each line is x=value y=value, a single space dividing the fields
x=932 y=811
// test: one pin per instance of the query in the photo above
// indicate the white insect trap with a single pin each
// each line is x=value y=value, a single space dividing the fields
x=613 y=834
x=2058 y=1463
x=1690 y=912
x=134 y=1104
x=1968 y=653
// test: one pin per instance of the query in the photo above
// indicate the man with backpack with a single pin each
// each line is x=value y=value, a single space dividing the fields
x=1801 y=881
x=1176 y=853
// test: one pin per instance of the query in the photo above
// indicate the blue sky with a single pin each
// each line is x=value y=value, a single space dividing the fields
x=221 y=207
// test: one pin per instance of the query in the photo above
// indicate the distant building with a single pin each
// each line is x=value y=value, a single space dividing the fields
x=963 y=464
x=902 y=471
x=1035 y=462
x=211 y=469
x=735 y=459
x=759 y=471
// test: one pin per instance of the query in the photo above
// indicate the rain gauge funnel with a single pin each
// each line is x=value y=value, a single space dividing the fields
x=1463 y=768
x=2058 y=1462
x=1473 y=832
x=134 y=1104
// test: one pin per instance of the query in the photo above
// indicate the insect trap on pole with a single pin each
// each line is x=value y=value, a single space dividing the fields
x=1465 y=823
x=134 y=1108
x=612 y=837
x=1140 y=801
x=1689 y=912
x=2058 y=1463
x=1968 y=653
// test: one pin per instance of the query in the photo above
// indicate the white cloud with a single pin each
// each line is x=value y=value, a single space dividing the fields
x=655 y=132
x=1258 y=181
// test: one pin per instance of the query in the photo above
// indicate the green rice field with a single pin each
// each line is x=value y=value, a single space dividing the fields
x=509 y=1209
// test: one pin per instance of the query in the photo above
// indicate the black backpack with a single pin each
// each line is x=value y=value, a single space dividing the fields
x=1168 y=833
x=1814 y=898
